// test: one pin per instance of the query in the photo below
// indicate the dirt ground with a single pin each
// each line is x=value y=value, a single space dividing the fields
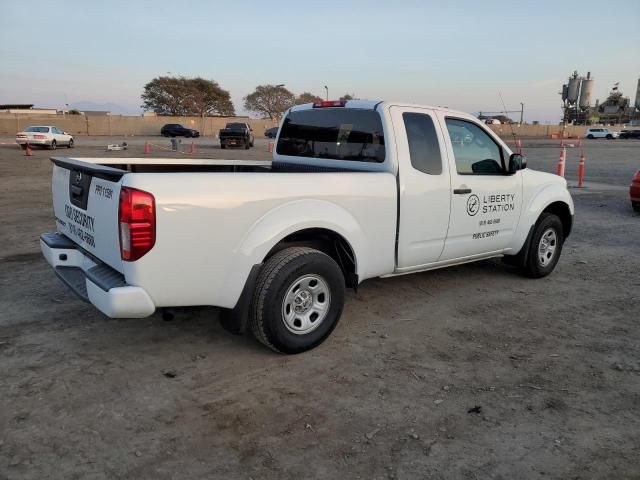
x=470 y=372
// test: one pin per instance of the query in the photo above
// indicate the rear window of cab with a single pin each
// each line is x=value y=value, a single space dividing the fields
x=334 y=134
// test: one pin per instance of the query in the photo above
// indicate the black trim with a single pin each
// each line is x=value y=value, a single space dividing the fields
x=98 y=171
x=74 y=278
x=520 y=258
x=105 y=277
x=461 y=191
x=236 y=320
x=58 y=240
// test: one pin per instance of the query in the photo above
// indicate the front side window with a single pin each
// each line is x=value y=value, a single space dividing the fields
x=333 y=133
x=475 y=152
x=423 y=143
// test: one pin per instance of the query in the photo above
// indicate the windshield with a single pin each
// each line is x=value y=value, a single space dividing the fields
x=37 y=129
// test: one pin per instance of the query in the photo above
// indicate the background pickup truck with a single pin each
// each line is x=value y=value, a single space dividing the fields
x=236 y=135
x=355 y=190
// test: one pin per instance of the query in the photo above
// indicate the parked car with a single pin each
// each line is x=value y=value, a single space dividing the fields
x=601 y=133
x=44 y=136
x=276 y=243
x=634 y=191
x=177 y=130
x=271 y=132
x=630 y=134
x=236 y=135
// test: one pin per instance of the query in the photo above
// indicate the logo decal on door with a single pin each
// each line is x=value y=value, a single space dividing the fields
x=473 y=205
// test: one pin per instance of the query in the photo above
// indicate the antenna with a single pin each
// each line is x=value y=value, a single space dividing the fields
x=504 y=109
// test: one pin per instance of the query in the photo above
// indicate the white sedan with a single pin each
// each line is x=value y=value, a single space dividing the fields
x=44 y=136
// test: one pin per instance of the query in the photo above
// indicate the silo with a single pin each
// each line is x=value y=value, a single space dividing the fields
x=585 y=91
x=565 y=91
x=638 y=95
x=573 y=89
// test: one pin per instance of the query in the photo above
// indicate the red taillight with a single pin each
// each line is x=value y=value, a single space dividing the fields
x=137 y=220
x=330 y=103
x=636 y=177
x=40 y=136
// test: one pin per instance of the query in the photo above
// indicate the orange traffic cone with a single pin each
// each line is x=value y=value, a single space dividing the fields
x=581 y=170
x=193 y=148
x=270 y=147
x=147 y=148
x=563 y=156
x=27 y=151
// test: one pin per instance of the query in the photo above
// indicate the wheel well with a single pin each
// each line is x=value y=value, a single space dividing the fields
x=561 y=209
x=328 y=242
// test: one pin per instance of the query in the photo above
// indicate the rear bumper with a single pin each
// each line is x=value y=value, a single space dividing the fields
x=94 y=282
x=23 y=141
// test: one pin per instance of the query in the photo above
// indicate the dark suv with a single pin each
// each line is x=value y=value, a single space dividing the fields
x=630 y=134
x=177 y=130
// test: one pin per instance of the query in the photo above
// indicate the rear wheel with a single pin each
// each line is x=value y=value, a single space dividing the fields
x=53 y=145
x=298 y=300
x=546 y=246
x=223 y=146
x=636 y=206
x=70 y=145
x=609 y=136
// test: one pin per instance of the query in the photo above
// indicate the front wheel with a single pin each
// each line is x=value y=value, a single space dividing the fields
x=546 y=246
x=590 y=136
x=298 y=300
x=70 y=145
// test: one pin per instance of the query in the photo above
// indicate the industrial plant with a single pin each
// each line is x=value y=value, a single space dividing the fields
x=615 y=110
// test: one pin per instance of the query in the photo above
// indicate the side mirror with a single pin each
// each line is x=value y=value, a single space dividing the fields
x=517 y=162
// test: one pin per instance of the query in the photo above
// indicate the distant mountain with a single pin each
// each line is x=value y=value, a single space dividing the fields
x=109 y=107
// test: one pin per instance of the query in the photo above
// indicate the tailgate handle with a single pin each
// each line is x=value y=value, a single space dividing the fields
x=76 y=191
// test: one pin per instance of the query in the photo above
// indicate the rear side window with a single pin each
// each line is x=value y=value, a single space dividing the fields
x=333 y=133
x=423 y=143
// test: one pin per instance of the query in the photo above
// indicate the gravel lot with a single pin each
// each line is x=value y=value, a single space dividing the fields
x=468 y=372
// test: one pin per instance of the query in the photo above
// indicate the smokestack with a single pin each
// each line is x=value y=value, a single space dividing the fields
x=638 y=95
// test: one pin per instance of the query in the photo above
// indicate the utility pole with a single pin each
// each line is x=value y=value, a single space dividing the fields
x=327 y=89
x=521 y=112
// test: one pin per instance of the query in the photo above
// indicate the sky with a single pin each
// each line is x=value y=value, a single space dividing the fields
x=458 y=54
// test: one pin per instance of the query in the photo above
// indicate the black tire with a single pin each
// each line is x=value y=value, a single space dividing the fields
x=247 y=144
x=70 y=145
x=636 y=206
x=534 y=266
x=223 y=146
x=53 y=145
x=278 y=276
x=590 y=136
x=609 y=136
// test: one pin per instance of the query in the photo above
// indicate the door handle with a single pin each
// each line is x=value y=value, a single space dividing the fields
x=461 y=191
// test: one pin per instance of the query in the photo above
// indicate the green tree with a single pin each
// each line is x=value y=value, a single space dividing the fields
x=186 y=96
x=348 y=96
x=306 y=97
x=269 y=100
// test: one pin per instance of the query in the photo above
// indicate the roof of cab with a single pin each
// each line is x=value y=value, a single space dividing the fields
x=373 y=104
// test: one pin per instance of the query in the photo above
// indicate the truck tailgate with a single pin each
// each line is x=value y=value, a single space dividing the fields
x=85 y=204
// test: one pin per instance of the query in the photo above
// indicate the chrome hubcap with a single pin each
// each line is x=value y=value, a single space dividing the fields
x=306 y=304
x=547 y=247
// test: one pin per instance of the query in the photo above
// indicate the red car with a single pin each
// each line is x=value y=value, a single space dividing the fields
x=634 y=192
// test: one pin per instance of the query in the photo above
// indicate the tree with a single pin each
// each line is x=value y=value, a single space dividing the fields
x=348 y=96
x=186 y=96
x=306 y=97
x=269 y=100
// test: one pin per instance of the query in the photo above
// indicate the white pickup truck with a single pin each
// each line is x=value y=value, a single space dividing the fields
x=355 y=190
